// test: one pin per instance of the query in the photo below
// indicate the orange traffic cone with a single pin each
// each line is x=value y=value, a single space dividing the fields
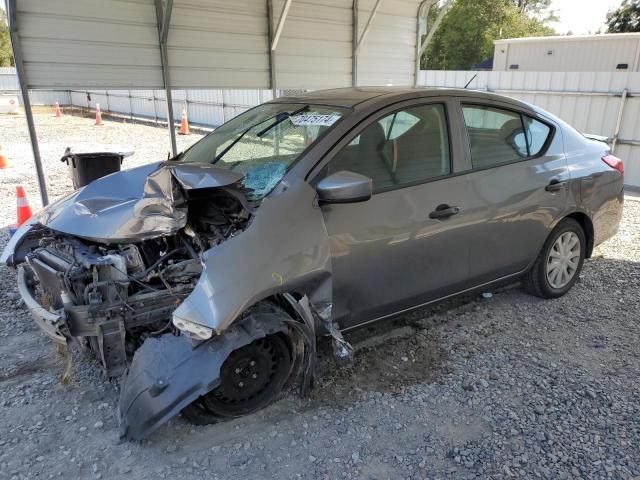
x=98 y=115
x=57 y=110
x=184 y=123
x=24 y=210
x=4 y=161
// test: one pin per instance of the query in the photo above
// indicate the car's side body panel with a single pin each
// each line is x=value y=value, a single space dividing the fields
x=601 y=188
x=388 y=255
x=506 y=214
x=511 y=209
x=513 y=214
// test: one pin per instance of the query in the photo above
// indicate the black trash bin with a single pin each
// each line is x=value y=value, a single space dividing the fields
x=87 y=167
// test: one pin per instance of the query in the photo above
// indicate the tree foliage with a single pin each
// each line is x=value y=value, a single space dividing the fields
x=467 y=32
x=6 y=55
x=625 y=18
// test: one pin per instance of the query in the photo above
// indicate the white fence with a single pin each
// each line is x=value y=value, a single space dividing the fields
x=601 y=103
x=9 y=83
x=209 y=108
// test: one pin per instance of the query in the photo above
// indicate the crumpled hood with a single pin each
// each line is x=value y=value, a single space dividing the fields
x=136 y=204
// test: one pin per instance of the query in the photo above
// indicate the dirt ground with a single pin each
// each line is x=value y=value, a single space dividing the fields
x=513 y=386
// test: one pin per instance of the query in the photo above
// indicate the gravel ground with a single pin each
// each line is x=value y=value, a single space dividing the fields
x=508 y=387
x=150 y=144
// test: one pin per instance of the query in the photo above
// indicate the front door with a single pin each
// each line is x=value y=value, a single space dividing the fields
x=404 y=246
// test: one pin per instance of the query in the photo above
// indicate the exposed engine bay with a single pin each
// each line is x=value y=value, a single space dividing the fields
x=115 y=296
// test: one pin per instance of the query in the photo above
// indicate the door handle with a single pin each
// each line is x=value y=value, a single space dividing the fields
x=555 y=185
x=444 y=211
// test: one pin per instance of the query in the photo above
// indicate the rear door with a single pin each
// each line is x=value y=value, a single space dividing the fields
x=518 y=187
x=388 y=253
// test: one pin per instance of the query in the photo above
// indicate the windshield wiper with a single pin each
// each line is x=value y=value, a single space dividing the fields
x=177 y=157
x=262 y=132
x=281 y=117
x=231 y=145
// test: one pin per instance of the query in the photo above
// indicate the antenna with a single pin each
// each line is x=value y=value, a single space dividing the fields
x=472 y=78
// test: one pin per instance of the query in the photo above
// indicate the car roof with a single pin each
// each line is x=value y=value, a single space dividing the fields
x=354 y=96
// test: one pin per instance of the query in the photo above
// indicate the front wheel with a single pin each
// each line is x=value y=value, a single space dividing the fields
x=559 y=263
x=250 y=379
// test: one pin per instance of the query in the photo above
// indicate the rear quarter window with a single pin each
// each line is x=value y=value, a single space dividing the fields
x=537 y=134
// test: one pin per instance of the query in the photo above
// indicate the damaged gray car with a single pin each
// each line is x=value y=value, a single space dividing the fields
x=206 y=279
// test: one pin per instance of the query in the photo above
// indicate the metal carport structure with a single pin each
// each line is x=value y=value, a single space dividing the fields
x=190 y=44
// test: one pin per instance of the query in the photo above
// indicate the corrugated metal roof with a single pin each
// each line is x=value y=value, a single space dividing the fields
x=218 y=43
x=75 y=43
x=212 y=43
x=388 y=54
x=315 y=47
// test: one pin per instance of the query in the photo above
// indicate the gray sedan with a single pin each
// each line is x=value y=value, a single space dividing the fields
x=206 y=279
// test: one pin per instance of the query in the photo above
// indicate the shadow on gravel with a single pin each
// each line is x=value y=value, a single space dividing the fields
x=391 y=355
x=390 y=363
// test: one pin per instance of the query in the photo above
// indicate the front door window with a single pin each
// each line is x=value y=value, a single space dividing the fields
x=403 y=148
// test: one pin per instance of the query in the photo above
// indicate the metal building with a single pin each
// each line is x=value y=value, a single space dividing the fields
x=189 y=44
x=619 y=52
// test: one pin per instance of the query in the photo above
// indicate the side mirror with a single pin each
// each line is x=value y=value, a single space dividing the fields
x=344 y=187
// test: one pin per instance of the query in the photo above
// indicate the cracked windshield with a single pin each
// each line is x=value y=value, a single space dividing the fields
x=264 y=142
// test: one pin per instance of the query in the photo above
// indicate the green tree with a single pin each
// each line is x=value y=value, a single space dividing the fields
x=467 y=32
x=6 y=55
x=625 y=18
x=539 y=8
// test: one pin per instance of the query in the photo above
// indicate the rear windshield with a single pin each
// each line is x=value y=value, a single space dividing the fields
x=264 y=142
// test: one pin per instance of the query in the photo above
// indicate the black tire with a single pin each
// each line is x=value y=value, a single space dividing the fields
x=535 y=281
x=273 y=361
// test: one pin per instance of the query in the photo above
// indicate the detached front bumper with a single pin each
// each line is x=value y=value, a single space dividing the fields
x=47 y=321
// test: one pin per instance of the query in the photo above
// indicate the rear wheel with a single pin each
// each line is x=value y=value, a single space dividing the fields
x=557 y=267
x=250 y=379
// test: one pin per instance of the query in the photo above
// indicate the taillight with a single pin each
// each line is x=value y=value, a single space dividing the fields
x=614 y=162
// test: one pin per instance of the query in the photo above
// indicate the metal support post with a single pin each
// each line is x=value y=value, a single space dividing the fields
x=421 y=27
x=354 y=44
x=281 y=20
x=616 y=134
x=26 y=101
x=434 y=27
x=367 y=26
x=272 y=53
x=163 y=16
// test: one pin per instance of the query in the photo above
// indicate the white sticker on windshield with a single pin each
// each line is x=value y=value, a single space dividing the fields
x=306 y=119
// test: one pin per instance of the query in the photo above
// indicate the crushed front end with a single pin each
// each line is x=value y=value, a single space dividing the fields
x=110 y=294
x=111 y=298
x=156 y=272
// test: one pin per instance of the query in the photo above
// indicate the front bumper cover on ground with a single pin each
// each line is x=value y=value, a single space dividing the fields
x=170 y=372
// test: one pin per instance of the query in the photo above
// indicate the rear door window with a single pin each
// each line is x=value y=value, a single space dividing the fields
x=498 y=136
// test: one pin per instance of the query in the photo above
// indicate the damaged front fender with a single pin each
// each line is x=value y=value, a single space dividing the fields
x=285 y=249
x=170 y=372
